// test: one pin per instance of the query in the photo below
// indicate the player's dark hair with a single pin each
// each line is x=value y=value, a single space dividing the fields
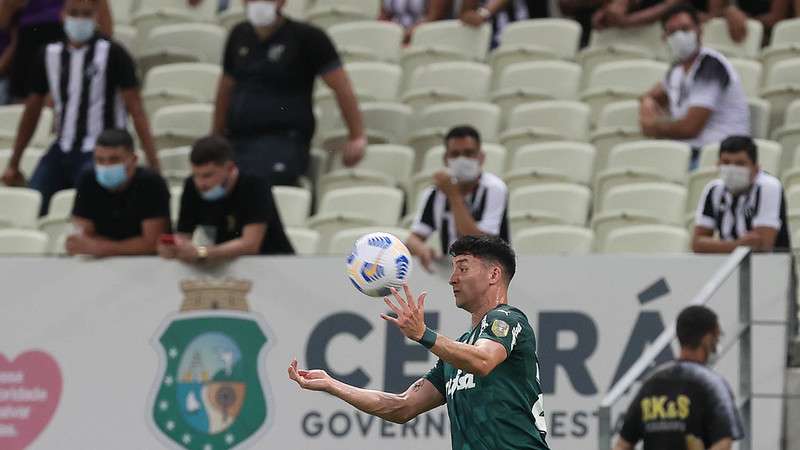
x=116 y=138
x=488 y=248
x=695 y=322
x=211 y=149
x=462 y=131
x=736 y=144
x=680 y=8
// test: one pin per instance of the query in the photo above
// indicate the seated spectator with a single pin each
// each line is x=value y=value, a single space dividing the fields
x=234 y=210
x=768 y=12
x=95 y=89
x=410 y=13
x=501 y=13
x=120 y=209
x=582 y=12
x=463 y=201
x=701 y=101
x=264 y=97
x=745 y=206
x=631 y=13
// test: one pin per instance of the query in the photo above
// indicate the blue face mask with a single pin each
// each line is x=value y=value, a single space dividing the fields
x=111 y=177
x=79 y=29
x=214 y=194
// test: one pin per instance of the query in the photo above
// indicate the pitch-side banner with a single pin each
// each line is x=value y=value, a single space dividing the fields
x=138 y=354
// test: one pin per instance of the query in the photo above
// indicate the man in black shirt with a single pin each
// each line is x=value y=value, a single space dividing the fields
x=120 y=209
x=235 y=210
x=685 y=405
x=264 y=96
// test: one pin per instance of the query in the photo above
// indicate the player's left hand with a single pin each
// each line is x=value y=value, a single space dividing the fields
x=410 y=313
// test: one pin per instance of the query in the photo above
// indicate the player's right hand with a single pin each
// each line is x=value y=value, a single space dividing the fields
x=313 y=380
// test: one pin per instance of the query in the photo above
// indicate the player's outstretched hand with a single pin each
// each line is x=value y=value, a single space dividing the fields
x=313 y=380
x=410 y=313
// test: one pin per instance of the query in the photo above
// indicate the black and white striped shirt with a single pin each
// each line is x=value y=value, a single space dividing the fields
x=85 y=84
x=488 y=204
x=734 y=216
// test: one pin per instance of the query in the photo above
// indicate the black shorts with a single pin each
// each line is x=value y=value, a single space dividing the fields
x=30 y=41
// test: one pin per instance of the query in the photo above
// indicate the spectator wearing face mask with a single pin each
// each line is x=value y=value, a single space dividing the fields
x=264 y=97
x=120 y=209
x=464 y=201
x=745 y=206
x=701 y=100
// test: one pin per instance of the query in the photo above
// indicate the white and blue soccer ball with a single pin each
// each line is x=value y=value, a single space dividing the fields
x=378 y=262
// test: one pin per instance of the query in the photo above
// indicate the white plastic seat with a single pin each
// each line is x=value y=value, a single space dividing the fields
x=354 y=207
x=148 y=19
x=618 y=123
x=30 y=160
x=546 y=121
x=716 y=36
x=620 y=44
x=784 y=43
x=121 y=10
x=368 y=41
x=534 y=81
x=184 y=42
x=10 y=116
x=698 y=180
x=384 y=122
x=175 y=194
x=560 y=161
x=342 y=242
x=382 y=165
x=293 y=205
x=760 y=113
x=175 y=84
x=647 y=239
x=19 y=207
x=60 y=205
x=435 y=121
x=548 y=204
x=304 y=241
x=554 y=240
x=127 y=36
x=445 y=40
x=22 y=242
x=750 y=73
x=329 y=13
x=295 y=9
x=447 y=82
x=781 y=88
x=175 y=165
x=621 y=80
x=789 y=134
x=770 y=156
x=536 y=39
x=180 y=125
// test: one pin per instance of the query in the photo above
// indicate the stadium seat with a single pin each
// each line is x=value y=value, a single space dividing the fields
x=717 y=36
x=534 y=81
x=447 y=82
x=620 y=44
x=793 y=198
x=293 y=204
x=548 y=204
x=621 y=80
x=295 y=9
x=175 y=194
x=759 y=117
x=121 y=11
x=204 y=11
x=769 y=156
x=384 y=122
x=698 y=180
x=127 y=36
x=383 y=165
x=784 y=43
x=554 y=240
x=750 y=73
x=30 y=160
x=20 y=207
x=647 y=239
x=546 y=121
x=22 y=242
x=643 y=161
x=536 y=39
x=342 y=242
x=789 y=134
x=304 y=241
x=184 y=42
x=145 y=21
x=435 y=121
x=175 y=165
x=445 y=40
x=60 y=205
x=558 y=161
x=10 y=116
x=368 y=41
x=175 y=84
x=618 y=123
x=354 y=207
x=180 y=125
x=781 y=87
x=328 y=13
x=57 y=230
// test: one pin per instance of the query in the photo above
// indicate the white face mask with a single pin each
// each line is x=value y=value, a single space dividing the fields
x=79 y=29
x=262 y=13
x=735 y=178
x=463 y=169
x=682 y=44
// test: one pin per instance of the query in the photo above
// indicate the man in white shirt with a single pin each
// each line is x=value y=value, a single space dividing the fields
x=701 y=100
x=464 y=201
x=745 y=206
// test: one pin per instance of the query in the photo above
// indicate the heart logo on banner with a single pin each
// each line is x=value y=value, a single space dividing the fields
x=30 y=388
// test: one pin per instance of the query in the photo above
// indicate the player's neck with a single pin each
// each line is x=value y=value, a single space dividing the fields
x=500 y=299
x=697 y=355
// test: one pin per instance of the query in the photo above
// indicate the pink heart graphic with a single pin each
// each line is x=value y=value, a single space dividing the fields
x=30 y=388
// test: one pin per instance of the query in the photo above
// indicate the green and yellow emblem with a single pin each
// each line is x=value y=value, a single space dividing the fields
x=209 y=395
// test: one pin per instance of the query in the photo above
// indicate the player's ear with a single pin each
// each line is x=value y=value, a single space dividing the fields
x=495 y=275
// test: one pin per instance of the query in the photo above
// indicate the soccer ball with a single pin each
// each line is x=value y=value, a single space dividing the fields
x=378 y=262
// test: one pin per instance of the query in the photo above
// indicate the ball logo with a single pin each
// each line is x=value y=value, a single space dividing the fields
x=371 y=272
x=380 y=241
x=402 y=264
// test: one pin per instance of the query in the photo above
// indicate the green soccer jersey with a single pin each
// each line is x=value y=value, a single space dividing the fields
x=504 y=410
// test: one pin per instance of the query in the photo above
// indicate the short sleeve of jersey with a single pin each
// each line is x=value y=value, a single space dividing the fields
x=257 y=203
x=704 y=215
x=504 y=327
x=323 y=56
x=436 y=377
x=496 y=206
x=122 y=67
x=769 y=206
x=423 y=221
x=710 y=81
x=38 y=82
x=157 y=194
x=632 y=427
x=722 y=419
x=229 y=54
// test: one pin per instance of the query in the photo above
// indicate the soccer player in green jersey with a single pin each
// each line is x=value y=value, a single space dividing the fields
x=489 y=377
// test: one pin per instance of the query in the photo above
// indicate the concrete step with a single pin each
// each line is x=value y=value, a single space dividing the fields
x=791 y=430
